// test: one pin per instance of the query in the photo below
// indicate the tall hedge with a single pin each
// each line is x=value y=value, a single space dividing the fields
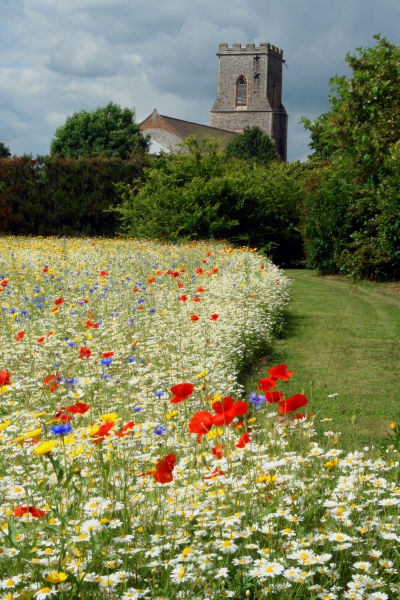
x=55 y=196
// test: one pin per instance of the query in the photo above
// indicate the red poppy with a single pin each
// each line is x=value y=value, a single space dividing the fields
x=218 y=450
x=243 y=440
x=214 y=317
x=199 y=271
x=292 y=403
x=262 y=267
x=194 y=318
x=135 y=290
x=90 y=325
x=40 y=340
x=125 y=429
x=183 y=298
x=107 y=354
x=50 y=333
x=273 y=397
x=175 y=274
x=35 y=512
x=103 y=273
x=214 y=270
x=204 y=262
x=216 y=473
x=266 y=384
x=180 y=285
x=84 y=300
x=78 y=409
x=151 y=280
x=59 y=301
x=227 y=410
x=164 y=468
x=84 y=352
x=200 y=289
x=20 y=335
x=299 y=416
x=61 y=415
x=4 y=378
x=181 y=392
x=103 y=431
x=45 y=269
x=196 y=299
x=280 y=372
x=201 y=423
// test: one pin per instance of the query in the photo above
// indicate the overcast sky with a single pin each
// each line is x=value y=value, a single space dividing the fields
x=61 y=56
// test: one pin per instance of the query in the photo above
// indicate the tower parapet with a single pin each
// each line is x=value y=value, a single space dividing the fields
x=250 y=91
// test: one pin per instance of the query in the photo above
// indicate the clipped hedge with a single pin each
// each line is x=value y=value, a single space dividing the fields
x=55 y=196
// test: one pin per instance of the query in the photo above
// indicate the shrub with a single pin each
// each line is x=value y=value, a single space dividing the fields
x=54 y=196
x=203 y=195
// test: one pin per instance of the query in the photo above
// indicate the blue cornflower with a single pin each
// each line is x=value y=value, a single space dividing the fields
x=131 y=359
x=152 y=310
x=256 y=399
x=159 y=394
x=71 y=344
x=159 y=430
x=138 y=408
x=106 y=361
x=61 y=429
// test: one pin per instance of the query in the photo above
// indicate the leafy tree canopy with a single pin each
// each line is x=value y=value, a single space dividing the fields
x=110 y=130
x=4 y=151
x=252 y=143
x=364 y=116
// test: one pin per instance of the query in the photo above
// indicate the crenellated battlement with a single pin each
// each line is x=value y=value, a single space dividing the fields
x=263 y=48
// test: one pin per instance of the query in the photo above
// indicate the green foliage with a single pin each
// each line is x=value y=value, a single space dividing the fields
x=55 y=196
x=351 y=213
x=202 y=194
x=252 y=143
x=4 y=151
x=110 y=130
x=364 y=116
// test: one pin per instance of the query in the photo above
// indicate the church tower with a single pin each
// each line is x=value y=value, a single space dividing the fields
x=250 y=92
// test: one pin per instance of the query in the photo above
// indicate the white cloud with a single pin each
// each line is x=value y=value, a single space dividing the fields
x=84 y=55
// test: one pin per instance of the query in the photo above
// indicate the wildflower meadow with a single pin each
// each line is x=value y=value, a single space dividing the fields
x=133 y=463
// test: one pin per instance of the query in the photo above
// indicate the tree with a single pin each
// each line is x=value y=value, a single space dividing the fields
x=252 y=143
x=364 y=117
x=110 y=130
x=4 y=151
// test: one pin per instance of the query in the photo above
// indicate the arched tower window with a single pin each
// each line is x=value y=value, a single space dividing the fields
x=241 y=91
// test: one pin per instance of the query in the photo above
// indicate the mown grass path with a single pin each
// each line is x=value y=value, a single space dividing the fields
x=341 y=338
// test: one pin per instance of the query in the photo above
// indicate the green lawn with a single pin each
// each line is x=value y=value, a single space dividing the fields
x=341 y=338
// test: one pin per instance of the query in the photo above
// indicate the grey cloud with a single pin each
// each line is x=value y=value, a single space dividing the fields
x=84 y=55
x=66 y=55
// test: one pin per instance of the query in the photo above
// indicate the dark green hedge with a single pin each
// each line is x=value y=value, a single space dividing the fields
x=54 y=196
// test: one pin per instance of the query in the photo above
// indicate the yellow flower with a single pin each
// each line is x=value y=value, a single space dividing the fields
x=45 y=448
x=93 y=430
x=267 y=478
x=216 y=398
x=54 y=309
x=331 y=464
x=4 y=425
x=171 y=414
x=40 y=414
x=109 y=417
x=392 y=425
x=4 y=389
x=30 y=434
x=202 y=374
x=56 y=577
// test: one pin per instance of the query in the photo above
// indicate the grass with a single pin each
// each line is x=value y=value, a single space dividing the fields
x=341 y=338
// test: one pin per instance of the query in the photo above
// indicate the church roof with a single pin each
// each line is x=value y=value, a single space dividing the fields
x=182 y=129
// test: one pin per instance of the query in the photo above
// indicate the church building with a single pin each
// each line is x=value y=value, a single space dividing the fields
x=249 y=95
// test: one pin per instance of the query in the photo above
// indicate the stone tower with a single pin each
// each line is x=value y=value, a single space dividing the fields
x=250 y=92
